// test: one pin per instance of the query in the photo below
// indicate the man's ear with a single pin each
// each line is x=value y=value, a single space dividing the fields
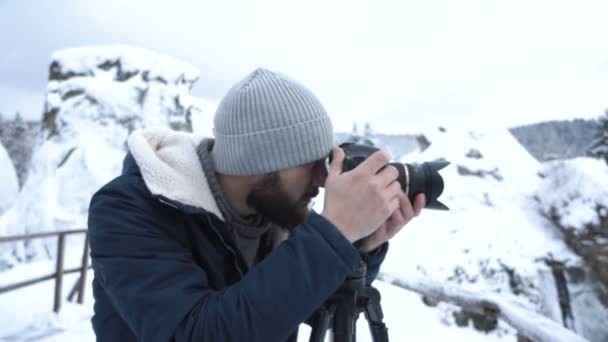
x=319 y=174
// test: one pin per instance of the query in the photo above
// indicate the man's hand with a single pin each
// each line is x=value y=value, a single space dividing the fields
x=395 y=222
x=361 y=200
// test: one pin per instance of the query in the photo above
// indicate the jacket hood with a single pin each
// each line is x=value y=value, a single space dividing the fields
x=170 y=166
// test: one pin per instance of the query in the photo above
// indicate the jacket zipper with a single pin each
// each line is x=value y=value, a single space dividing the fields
x=161 y=200
x=232 y=251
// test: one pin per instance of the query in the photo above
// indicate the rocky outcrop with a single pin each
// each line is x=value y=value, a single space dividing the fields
x=118 y=85
x=96 y=97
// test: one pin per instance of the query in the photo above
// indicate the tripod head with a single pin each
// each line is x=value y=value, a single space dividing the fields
x=356 y=279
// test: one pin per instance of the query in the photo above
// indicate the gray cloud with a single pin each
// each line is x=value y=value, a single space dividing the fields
x=365 y=62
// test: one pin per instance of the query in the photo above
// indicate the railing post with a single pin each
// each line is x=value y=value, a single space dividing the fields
x=83 y=269
x=59 y=272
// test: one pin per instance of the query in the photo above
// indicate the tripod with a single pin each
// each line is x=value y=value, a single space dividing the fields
x=342 y=309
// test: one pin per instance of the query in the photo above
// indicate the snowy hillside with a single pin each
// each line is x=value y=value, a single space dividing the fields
x=496 y=237
x=96 y=97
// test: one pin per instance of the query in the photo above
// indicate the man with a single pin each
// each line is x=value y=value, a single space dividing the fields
x=213 y=240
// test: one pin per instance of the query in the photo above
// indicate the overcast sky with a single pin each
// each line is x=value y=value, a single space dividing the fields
x=506 y=62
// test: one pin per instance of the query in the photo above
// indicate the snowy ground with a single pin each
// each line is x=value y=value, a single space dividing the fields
x=27 y=314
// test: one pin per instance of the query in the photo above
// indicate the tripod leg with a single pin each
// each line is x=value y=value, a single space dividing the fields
x=379 y=332
x=344 y=321
x=320 y=324
x=374 y=315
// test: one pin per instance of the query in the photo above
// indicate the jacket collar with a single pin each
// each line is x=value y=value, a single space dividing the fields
x=170 y=167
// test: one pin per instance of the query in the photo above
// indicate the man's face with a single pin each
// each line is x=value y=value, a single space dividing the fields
x=284 y=197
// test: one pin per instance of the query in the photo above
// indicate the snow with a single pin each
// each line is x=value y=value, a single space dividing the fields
x=9 y=185
x=533 y=325
x=27 y=313
x=31 y=317
x=491 y=223
x=496 y=229
x=583 y=184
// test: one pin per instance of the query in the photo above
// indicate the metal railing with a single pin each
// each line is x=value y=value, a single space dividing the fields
x=60 y=271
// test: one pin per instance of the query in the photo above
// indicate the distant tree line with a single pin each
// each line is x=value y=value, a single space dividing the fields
x=557 y=139
x=599 y=146
x=18 y=137
x=365 y=138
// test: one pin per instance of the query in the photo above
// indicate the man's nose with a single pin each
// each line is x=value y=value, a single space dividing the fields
x=319 y=174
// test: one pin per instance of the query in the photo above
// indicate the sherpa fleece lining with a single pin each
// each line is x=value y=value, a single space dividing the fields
x=170 y=166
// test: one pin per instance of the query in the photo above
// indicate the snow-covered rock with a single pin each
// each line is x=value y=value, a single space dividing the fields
x=96 y=97
x=117 y=86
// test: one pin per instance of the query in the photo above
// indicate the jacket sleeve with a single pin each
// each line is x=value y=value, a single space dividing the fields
x=162 y=294
x=374 y=260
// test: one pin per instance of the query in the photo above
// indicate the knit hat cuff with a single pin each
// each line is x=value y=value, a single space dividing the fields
x=273 y=150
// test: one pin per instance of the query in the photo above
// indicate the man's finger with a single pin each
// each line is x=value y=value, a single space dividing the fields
x=375 y=162
x=419 y=203
x=387 y=175
x=406 y=207
x=335 y=168
x=398 y=220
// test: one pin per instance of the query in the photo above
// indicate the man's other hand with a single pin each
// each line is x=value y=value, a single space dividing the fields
x=393 y=225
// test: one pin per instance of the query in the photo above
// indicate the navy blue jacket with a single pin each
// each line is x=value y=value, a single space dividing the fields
x=166 y=271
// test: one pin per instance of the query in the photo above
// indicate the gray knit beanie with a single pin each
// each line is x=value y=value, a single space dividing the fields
x=268 y=122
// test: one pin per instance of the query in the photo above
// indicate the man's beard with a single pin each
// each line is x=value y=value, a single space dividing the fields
x=269 y=199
